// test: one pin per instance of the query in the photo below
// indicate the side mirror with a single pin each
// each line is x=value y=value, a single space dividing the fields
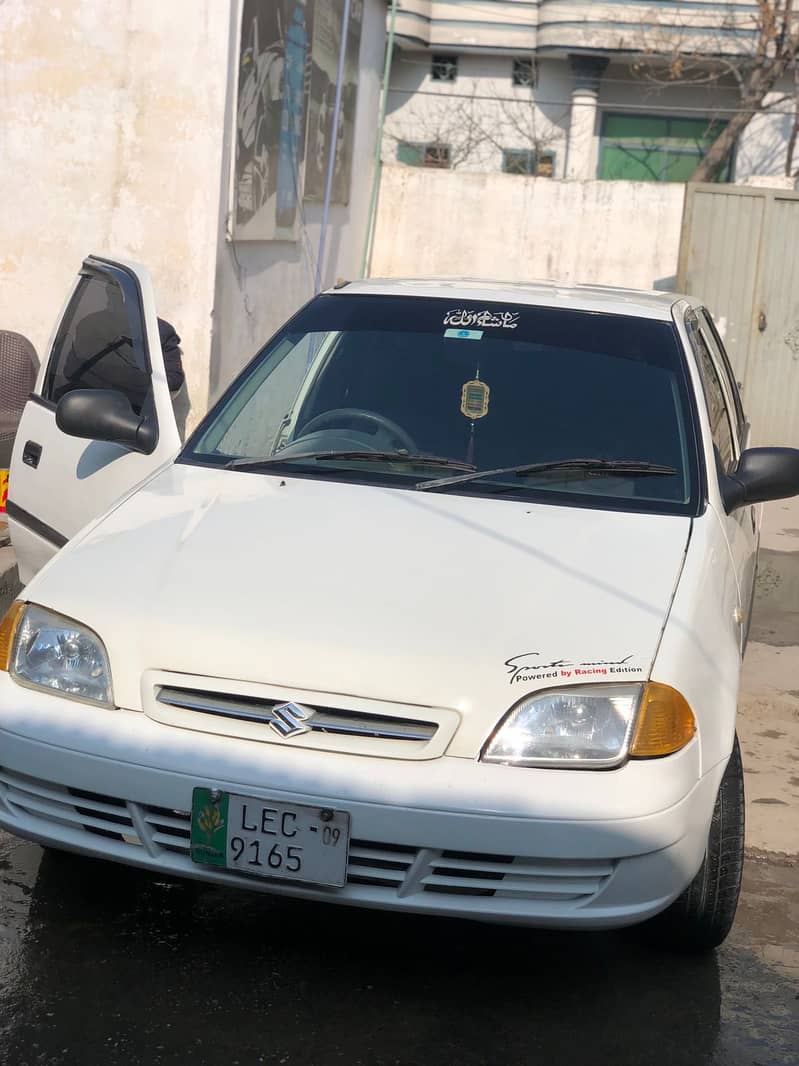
x=105 y=414
x=762 y=474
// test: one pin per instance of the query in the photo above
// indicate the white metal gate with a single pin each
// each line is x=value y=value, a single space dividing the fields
x=739 y=253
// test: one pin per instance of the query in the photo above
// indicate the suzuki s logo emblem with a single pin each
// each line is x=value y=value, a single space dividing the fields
x=288 y=719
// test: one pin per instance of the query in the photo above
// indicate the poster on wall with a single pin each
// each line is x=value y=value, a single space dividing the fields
x=274 y=68
x=325 y=51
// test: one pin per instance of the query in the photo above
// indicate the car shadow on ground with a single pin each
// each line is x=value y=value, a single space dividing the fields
x=107 y=964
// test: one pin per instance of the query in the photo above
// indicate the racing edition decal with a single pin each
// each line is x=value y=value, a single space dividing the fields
x=527 y=667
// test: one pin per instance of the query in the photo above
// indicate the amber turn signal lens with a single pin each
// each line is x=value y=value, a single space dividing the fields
x=665 y=723
x=8 y=628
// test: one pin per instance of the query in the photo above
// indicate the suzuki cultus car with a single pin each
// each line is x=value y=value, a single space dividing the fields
x=440 y=609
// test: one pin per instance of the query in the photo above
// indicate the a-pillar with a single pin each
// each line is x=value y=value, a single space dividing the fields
x=586 y=72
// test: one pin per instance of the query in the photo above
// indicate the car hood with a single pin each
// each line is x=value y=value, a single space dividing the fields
x=424 y=599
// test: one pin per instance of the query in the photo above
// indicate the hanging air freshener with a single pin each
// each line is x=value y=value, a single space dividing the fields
x=474 y=399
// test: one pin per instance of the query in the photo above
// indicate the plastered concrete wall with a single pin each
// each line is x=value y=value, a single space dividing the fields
x=111 y=118
x=482 y=112
x=517 y=229
x=259 y=284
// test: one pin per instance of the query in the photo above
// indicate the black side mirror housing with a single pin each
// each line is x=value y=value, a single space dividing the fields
x=762 y=474
x=105 y=414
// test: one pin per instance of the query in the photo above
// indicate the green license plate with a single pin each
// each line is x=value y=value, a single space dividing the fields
x=267 y=838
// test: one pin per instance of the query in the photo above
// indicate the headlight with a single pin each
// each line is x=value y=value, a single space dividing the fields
x=54 y=653
x=592 y=726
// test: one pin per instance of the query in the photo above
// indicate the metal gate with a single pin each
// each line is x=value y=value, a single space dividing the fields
x=739 y=253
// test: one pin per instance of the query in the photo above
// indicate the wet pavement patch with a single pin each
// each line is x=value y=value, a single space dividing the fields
x=108 y=965
x=775 y=619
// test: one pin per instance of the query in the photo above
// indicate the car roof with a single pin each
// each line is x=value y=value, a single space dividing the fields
x=598 y=298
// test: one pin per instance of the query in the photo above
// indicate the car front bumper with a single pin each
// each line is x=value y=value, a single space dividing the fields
x=451 y=836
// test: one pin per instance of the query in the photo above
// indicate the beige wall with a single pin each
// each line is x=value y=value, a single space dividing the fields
x=568 y=25
x=111 y=118
x=514 y=228
x=259 y=284
x=482 y=112
x=116 y=130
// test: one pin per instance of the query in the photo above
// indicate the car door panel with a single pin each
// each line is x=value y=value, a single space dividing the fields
x=58 y=483
x=742 y=526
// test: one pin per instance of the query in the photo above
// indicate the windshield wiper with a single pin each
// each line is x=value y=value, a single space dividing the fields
x=357 y=456
x=634 y=467
x=402 y=457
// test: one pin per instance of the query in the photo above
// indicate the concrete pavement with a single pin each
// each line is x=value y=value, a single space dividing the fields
x=768 y=720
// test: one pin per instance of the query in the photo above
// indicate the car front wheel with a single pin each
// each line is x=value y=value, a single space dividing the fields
x=701 y=918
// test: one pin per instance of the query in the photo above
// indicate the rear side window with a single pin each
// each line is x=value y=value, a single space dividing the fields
x=723 y=362
x=720 y=425
x=94 y=347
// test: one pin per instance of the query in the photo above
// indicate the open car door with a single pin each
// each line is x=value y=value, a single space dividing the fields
x=107 y=339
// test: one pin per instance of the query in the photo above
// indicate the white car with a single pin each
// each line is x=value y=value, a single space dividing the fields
x=441 y=609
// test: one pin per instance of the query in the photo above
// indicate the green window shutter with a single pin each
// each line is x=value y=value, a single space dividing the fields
x=410 y=153
x=630 y=164
x=634 y=127
x=518 y=161
x=655 y=147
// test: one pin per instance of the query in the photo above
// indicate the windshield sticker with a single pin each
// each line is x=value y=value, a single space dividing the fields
x=526 y=668
x=474 y=399
x=464 y=334
x=486 y=319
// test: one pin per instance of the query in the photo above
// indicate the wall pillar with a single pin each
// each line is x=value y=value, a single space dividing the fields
x=586 y=73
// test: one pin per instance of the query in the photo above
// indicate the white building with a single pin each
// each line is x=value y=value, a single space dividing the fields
x=563 y=88
x=118 y=134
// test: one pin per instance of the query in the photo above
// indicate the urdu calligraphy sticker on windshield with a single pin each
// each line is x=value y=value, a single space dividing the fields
x=485 y=319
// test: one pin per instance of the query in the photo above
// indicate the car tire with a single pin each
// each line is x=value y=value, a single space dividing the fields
x=700 y=919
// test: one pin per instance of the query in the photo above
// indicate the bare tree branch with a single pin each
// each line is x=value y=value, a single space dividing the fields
x=482 y=122
x=445 y=122
x=754 y=68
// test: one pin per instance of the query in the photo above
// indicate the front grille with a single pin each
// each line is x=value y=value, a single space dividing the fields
x=168 y=829
x=383 y=865
x=394 y=870
x=458 y=873
x=338 y=721
x=95 y=814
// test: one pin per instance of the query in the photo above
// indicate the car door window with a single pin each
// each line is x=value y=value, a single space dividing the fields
x=95 y=348
x=717 y=409
x=714 y=342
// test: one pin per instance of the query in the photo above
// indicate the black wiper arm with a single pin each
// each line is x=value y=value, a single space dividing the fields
x=270 y=460
x=401 y=457
x=634 y=467
x=397 y=457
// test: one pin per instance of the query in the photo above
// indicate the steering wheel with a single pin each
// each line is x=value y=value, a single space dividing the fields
x=347 y=416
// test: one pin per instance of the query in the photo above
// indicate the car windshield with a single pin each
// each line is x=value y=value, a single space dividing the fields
x=406 y=390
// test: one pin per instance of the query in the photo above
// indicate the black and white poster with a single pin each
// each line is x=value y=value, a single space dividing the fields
x=288 y=63
x=274 y=69
x=325 y=51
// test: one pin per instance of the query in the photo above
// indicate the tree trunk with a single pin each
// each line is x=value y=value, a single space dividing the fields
x=720 y=150
x=794 y=137
x=791 y=148
x=759 y=82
